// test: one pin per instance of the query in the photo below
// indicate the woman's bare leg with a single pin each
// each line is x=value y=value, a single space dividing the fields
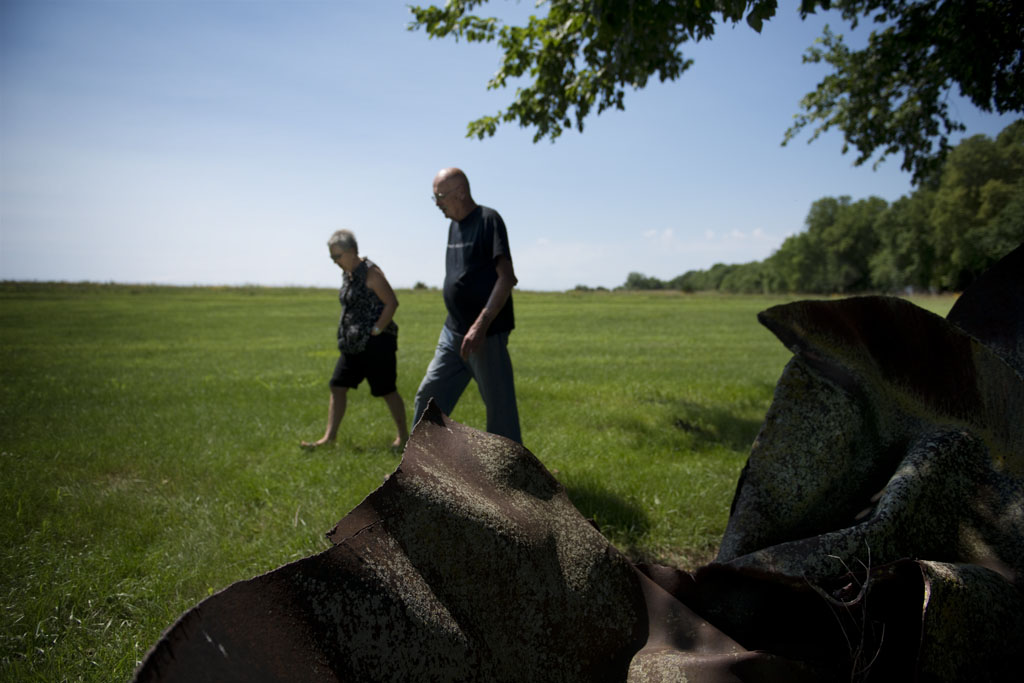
x=397 y=407
x=335 y=411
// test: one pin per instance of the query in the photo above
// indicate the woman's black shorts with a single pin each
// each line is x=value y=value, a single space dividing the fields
x=376 y=364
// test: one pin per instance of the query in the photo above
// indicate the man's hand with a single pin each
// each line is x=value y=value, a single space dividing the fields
x=474 y=340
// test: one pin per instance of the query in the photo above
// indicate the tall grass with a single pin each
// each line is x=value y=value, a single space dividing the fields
x=149 y=440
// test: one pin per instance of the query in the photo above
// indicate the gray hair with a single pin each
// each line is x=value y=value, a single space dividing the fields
x=344 y=240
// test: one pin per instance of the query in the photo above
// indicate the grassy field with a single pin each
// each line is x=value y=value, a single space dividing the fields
x=149 y=440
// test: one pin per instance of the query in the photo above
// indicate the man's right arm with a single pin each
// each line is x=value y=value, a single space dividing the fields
x=477 y=333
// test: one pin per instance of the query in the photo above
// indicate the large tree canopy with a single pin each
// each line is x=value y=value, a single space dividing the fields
x=889 y=97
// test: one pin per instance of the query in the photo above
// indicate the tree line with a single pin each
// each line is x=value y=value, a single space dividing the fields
x=941 y=237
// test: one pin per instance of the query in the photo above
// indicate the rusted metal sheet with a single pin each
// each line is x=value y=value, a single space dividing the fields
x=469 y=563
x=894 y=435
x=992 y=310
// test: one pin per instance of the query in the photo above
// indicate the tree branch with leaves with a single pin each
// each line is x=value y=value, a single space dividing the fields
x=890 y=97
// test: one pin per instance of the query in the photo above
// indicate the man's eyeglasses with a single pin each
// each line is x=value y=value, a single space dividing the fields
x=438 y=196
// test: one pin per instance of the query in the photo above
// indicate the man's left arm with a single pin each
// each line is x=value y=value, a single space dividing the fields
x=477 y=334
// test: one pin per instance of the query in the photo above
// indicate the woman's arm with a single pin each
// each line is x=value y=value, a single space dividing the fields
x=377 y=283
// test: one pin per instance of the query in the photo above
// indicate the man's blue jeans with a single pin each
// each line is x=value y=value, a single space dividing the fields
x=448 y=375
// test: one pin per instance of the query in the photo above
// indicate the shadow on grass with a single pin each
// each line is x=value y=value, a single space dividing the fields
x=352 y=449
x=711 y=426
x=609 y=512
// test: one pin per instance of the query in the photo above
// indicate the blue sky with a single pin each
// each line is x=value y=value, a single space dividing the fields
x=222 y=141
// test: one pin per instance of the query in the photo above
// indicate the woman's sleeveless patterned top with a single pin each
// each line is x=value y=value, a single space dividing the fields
x=360 y=309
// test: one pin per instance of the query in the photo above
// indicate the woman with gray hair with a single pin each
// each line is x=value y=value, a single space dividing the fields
x=367 y=338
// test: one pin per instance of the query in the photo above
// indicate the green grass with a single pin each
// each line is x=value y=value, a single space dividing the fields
x=148 y=440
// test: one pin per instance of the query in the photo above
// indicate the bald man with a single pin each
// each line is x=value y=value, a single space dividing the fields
x=478 y=286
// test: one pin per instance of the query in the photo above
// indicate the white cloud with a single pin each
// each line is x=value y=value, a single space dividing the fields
x=556 y=266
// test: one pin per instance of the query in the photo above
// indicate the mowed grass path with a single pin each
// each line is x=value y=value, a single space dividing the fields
x=149 y=440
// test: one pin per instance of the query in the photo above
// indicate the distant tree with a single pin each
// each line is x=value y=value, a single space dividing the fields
x=717 y=273
x=747 y=278
x=823 y=214
x=1005 y=231
x=690 y=281
x=890 y=96
x=976 y=213
x=849 y=242
x=641 y=281
x=833 y=254
x=906 y=254
x=701 y=280
x=798 y=265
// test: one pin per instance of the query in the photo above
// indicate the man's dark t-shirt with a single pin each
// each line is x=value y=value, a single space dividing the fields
x=474 y=244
